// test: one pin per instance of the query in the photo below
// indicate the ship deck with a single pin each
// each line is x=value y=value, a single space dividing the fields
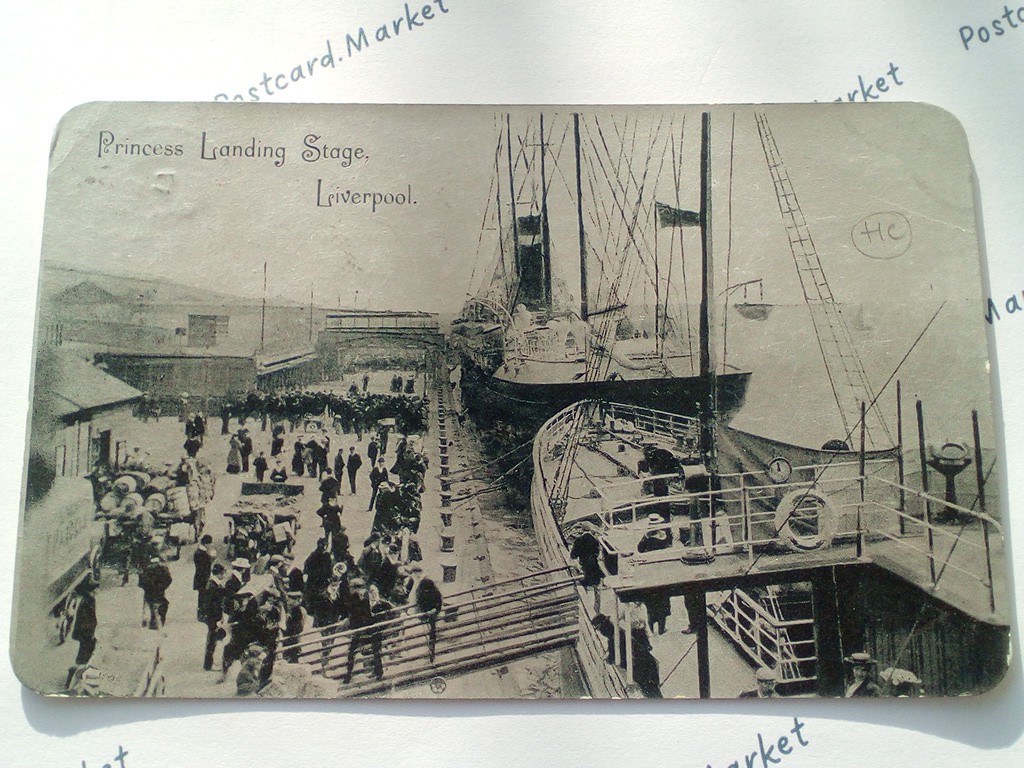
x=959 y=563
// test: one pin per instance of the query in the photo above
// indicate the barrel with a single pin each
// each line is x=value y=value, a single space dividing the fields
x=126 y=484
x=156 y=503
x=132 y=502
x=110 y=501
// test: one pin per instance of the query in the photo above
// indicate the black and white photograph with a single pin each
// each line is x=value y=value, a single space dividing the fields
x=560 y=402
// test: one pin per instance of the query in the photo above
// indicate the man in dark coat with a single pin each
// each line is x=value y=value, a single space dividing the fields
x=203 y=559
x=260 y=466
x=428 y=604
x=329 y=488
x=212 y=607
x=352 y=467
x=245 y=448
x=365 y=610
x=192 y=446
x=330 y=518
x=245 y=629
x=378 y=475
x=372 y=556
x=155 y=580
x=84 y=629
x=317 y=569
x=587 y=550
x=372 y=450
x=339 y=465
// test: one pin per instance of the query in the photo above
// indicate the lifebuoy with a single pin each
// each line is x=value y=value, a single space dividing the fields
x=805 y=519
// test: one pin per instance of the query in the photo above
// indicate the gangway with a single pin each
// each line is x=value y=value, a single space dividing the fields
x=477 y=628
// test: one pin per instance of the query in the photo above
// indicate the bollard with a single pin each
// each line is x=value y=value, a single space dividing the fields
x=446 y=519
x=444 y=461
x=444 y=470
x=446 y=485
x=448 y=575
x=446 y=499
x=447 y=543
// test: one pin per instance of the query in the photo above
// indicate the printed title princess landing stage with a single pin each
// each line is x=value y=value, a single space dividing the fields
x=511 y=402
x=314 y=148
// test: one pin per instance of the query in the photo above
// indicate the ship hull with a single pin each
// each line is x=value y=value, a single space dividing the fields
x=601 y=680
x=533 y=404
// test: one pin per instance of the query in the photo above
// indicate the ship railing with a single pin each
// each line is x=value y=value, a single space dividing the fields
x=938 y=546
x=866 y=510
x=765 y=638
x=542 y=345
x=849 y=470
x=736 y=515
x=654 y=422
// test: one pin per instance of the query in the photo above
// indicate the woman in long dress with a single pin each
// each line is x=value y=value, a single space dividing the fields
x=298 y=463
x=235 y=456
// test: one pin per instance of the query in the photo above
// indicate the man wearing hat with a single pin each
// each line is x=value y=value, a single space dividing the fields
x=330 y=487
x=212 y=608
x=862 y=669
x=352 y=468
x=378 y=475
x=155 y=580
x=428 y=604
x=765 y=685
x=317 y=570
x=658 y=536
x=203 y=559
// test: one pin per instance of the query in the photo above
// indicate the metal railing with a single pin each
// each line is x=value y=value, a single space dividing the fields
x=671 y=425
x=501 y=620
x=859 y=509
x=765 y=638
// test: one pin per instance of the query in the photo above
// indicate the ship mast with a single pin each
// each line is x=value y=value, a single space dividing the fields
x=708 y=403
x=584 y=309
x=512 y=205
x=545 y=233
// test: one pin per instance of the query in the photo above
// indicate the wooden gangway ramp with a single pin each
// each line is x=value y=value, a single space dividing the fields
x=476 y=629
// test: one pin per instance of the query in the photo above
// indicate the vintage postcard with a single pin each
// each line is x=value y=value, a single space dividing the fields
x=511 y=402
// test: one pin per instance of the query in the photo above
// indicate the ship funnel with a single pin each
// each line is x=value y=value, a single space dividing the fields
x=533 y=264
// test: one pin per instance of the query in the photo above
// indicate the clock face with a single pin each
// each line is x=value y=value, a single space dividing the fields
x=779 y=470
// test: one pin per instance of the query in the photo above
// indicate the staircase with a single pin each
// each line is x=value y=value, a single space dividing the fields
x=769 y=636
x=476 y=629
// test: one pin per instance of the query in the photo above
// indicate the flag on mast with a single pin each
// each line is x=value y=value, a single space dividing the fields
x=676 y=217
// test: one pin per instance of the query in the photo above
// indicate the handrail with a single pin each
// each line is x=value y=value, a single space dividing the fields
x=981 y=516
x=465 y=636
x=340 y=630
x=761 y=634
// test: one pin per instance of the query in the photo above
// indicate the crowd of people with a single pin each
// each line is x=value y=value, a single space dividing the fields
x=258 y=609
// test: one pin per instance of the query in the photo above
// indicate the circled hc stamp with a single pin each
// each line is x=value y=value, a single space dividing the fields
x=883 y=235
